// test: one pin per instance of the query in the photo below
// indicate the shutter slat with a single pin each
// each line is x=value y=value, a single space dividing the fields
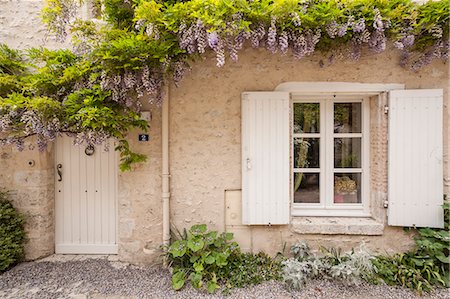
x=265 y=148
x=415 y=158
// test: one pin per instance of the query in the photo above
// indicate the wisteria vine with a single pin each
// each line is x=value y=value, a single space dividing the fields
x=115 y=64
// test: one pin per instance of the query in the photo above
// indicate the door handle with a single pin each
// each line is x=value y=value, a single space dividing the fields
x=249 y=164
x=58 y=170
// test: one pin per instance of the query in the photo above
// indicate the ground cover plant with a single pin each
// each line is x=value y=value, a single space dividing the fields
x=350 y=267
x=423 y=268
x=92 y=92
x=12 y=234
x=426 y=266
x=210 y=260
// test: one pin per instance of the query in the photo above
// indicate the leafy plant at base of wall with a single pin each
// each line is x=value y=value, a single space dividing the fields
x=244 y=269
x=12 y=234
x=426 y=266
x=210 y=260
x=199 y=257
x=351 y=267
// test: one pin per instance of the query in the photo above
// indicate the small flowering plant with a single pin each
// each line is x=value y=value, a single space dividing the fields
x=199 y=257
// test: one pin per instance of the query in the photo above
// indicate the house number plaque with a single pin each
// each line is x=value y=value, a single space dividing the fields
x=144 y=137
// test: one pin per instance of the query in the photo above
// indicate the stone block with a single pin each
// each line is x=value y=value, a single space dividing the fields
x=242 y=235
x=126 y=228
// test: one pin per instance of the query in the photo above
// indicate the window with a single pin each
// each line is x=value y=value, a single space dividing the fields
x=306 y=152
x=330 y=153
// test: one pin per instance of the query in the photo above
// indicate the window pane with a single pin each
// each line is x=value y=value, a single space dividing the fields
x=306 y=117
x=347 y=117
x=347 y=152
x=306 y=188
x=306 y=152
x=347 y=188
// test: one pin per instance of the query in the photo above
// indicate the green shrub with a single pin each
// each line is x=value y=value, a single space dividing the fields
x=209 y=259
x=424 y=267
x=12 y=234
x=245 y=269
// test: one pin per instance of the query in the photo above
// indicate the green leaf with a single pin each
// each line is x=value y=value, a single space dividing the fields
x=178 y=279
x=198 y=229
x=209 y=259
x=444 y=259
x=221 y=259
x=194 y=258
x=178 y=248
x=228 y=236
x=211 y=286
x=195 y=244
x=196 y=280
x=198 y=267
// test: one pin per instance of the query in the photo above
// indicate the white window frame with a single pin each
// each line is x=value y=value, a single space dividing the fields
x=327 y=207
x=317 y=89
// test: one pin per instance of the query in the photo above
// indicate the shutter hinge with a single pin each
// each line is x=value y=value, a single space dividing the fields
x=386 y=109
x=386 y=204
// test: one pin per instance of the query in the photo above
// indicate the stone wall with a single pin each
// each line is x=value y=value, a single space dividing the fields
x=205 y=146
x=140 y=208
x=205 y=151
x=21 y=26
x=29 y=177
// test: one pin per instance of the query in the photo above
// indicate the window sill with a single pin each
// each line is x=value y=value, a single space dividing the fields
x=336 y=226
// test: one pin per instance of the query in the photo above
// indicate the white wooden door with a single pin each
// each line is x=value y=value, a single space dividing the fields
x=86 y=199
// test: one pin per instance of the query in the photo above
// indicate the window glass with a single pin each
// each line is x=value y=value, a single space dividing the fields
x=347 y=188
x=306 y=188
x=306 y=117
x=347 y=152
x=306 y=152
x=347 y=117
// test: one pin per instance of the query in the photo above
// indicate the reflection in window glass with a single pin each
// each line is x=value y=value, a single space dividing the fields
x=347 y=188
x=347 y=117
x=347 y=152
x=306 y=117
x=306 y=152
x=306 y=188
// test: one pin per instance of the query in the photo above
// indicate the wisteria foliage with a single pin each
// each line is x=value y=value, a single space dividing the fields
x=130 y=56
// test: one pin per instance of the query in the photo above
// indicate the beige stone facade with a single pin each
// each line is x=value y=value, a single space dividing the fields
x=205 y=145
x=205 y=155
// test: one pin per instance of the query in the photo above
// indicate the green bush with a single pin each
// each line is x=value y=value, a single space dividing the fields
x=12 y=234
x=424 y=267
x=246 y=269
x=209 y=259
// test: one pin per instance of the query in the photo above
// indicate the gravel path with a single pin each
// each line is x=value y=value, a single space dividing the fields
x=102 y=278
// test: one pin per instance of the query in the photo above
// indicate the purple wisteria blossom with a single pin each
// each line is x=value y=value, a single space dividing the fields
x=272 y=36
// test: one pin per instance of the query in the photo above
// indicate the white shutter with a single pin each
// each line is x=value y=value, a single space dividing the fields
x=415 y=158
x=265 y=158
